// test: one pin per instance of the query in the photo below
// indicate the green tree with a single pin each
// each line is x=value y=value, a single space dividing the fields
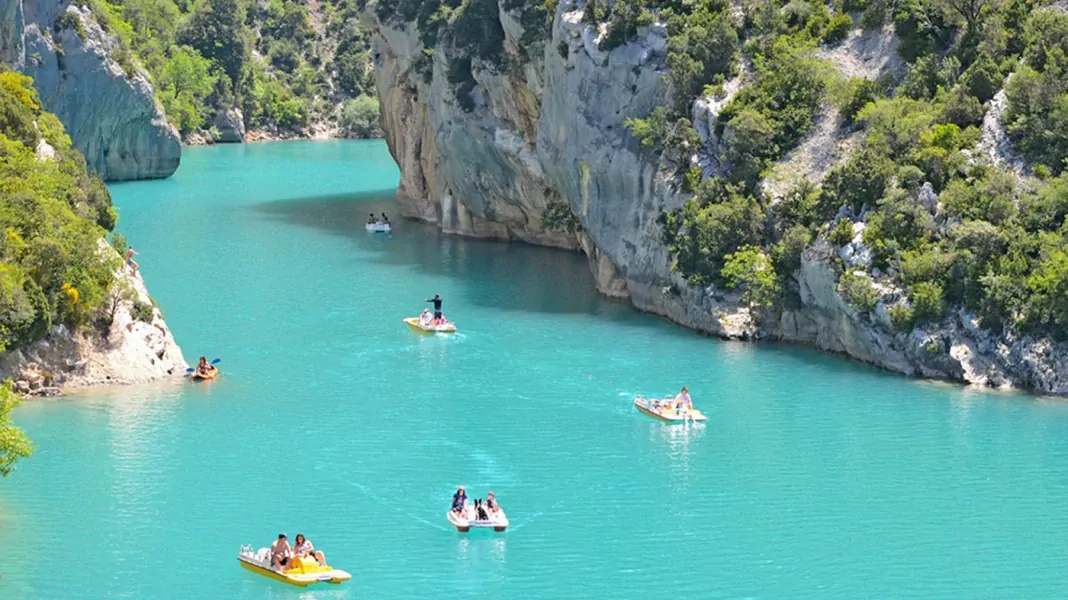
x=359 y=117
x=750 y=270
x=184 y=85
x=218 y=30
x=14 y=444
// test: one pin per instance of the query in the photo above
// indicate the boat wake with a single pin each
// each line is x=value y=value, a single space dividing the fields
x=380 y=501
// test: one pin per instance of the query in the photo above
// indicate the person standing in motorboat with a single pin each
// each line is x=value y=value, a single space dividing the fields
x=280 y=553
x=436 y=300
x=459 y=501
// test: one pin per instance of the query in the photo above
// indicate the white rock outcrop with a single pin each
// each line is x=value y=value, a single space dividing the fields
x=131 y=351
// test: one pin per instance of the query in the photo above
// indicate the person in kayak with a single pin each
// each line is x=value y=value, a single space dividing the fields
x=302 y=547
x=438 y=319
x=459 y=501
x=203 y=368
x=281 y=553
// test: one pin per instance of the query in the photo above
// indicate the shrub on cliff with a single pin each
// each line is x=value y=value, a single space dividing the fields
x=51 y=212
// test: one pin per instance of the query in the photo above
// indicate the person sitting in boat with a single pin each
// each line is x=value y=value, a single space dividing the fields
x=281 y=553
x=459 y=501
x=302 y=547
x=436 y=300
x=491 y=504
x=684 y=405
x=425 y=318
x=203 y=368
x=385 y=220
x=371 y=220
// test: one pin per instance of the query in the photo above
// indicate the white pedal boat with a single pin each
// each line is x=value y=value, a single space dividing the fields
x=379 y=227
x=662 y=410
x=302 y=572
x=463 y=523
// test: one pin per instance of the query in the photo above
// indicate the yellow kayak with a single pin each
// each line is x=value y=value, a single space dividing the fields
x=212 y=374
x=304 y=572
x=413 y=322
x=664 y=411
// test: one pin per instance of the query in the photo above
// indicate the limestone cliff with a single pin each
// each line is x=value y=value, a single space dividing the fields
x=110 y=115
x=130 y=351
x=488 y=159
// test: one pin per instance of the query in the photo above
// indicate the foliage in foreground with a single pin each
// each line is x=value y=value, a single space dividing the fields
x=14 y=444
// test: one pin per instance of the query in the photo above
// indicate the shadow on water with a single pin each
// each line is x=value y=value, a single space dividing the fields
x=526 y=278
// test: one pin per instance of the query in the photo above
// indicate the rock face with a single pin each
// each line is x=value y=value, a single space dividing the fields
x=231 y=126
x=110 y=115
x=548 y=130
x=132 y=351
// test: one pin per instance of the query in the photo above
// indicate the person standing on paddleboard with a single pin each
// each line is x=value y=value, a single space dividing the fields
x=437 y=307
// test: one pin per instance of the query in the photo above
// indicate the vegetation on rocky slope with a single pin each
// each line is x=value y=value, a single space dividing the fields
x=286 y=67
x=944 y=226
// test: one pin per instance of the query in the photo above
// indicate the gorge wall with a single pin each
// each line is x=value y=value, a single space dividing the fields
x=110 y=115
x=488 y=160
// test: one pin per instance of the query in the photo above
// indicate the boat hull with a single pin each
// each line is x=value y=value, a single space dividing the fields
x=465 y=523
x=330 y=575
x=643 y=407
x=380 y=228
x=414 y=324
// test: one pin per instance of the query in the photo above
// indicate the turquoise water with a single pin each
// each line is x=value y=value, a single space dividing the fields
x=814 y=477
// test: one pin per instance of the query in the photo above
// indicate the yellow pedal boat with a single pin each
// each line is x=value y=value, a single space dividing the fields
x=413 y=322
x=664 y=411
x=304 y=572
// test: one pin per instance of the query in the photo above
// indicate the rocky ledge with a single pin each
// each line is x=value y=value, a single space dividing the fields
x=130 y=351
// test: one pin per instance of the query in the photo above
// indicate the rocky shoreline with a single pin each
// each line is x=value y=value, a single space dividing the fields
x=131 y=350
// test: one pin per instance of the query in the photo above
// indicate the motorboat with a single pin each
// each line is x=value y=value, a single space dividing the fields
x=664 y=410
x=303 y=571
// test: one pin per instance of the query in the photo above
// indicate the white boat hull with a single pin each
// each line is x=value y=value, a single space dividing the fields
x=379 y=228
x=466 y=521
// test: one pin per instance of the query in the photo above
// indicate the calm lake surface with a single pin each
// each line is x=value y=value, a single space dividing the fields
x=814 y=477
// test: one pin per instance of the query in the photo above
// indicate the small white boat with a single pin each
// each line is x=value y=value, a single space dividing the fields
x=302 y=572
x=464 y=522
x=379 y=227
x=664 y=410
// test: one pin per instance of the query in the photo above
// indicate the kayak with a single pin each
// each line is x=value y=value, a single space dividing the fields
x=661 y=409
x=413 y=322
x=212 y=374
x=305 y=572
x=463 y=523
x=379 y=227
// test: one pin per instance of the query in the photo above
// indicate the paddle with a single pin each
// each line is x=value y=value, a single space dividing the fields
x=213 y=363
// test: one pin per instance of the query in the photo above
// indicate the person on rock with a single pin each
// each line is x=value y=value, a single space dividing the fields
x=130 y=261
